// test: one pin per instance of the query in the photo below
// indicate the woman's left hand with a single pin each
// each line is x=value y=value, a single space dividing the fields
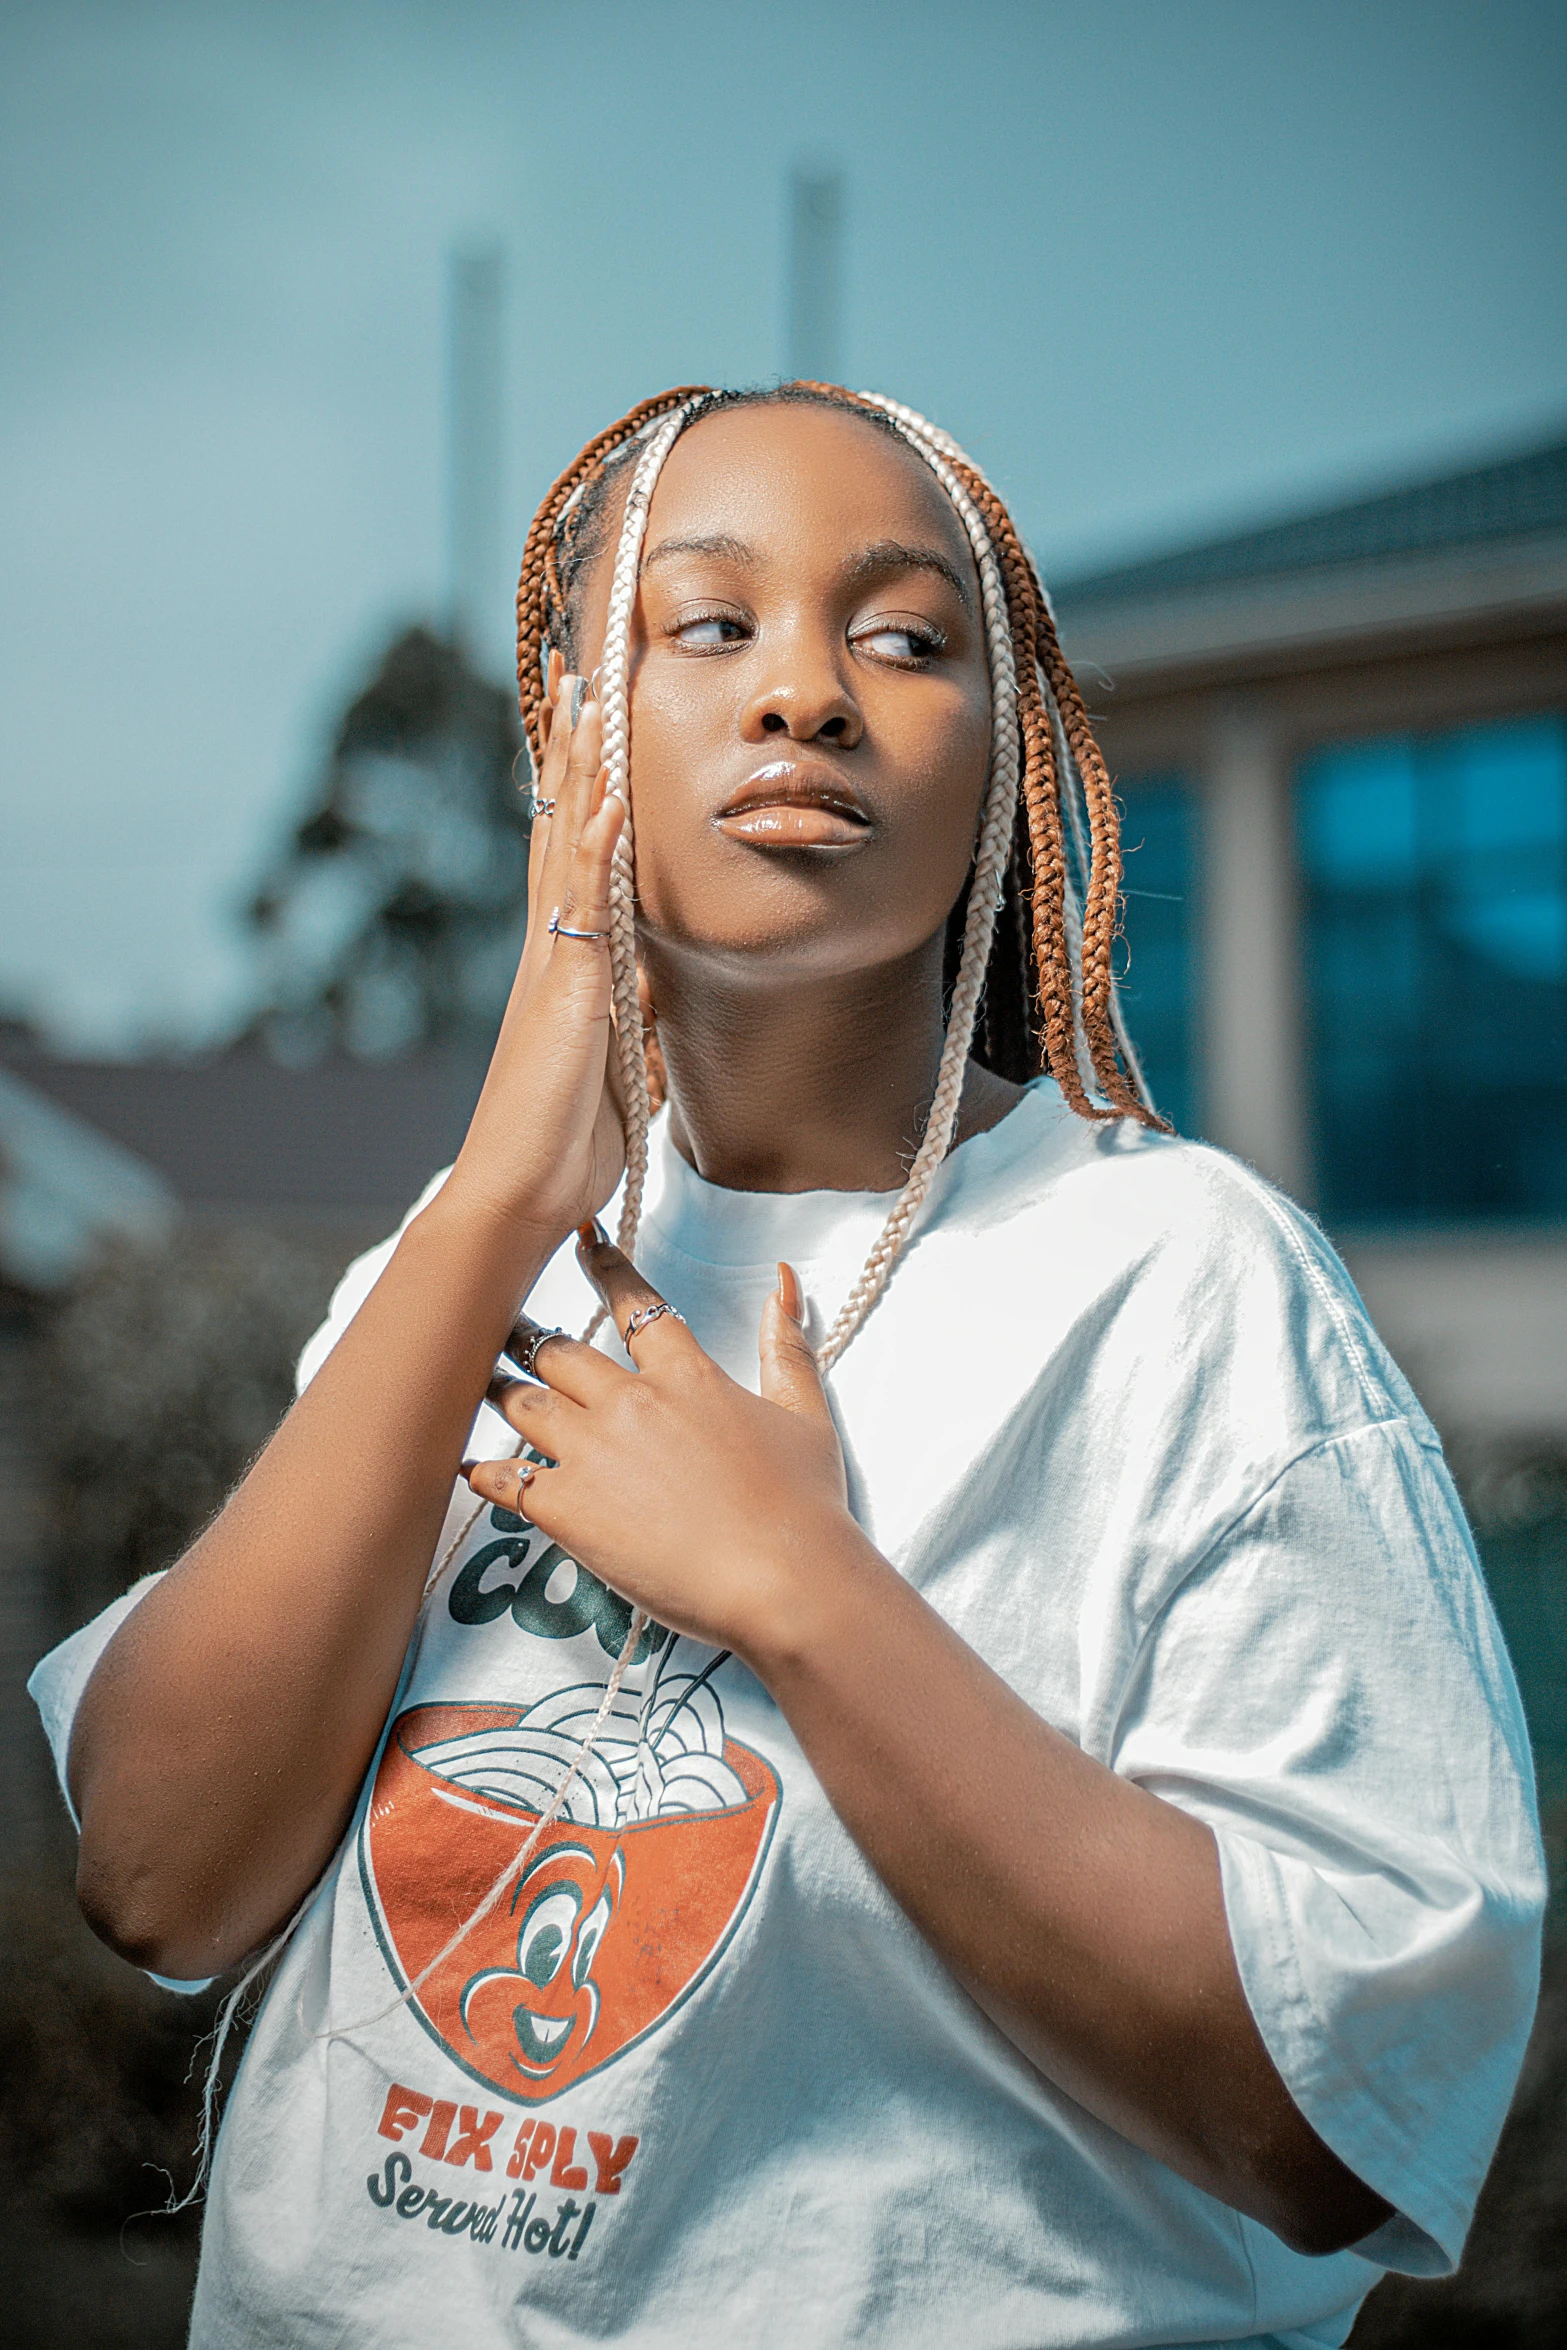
x=706 y=1505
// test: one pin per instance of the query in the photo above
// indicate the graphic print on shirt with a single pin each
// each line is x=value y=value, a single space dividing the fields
x=620 y=1911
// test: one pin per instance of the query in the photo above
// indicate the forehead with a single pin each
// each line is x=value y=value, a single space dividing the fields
x=805 y=480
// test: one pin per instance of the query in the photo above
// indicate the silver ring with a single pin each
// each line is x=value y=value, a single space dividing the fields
x=559 y=929
x=523 y=1354
x=641 y=1318
x=539 y=807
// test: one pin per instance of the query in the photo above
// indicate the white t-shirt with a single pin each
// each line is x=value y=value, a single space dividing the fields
x=696 y=2080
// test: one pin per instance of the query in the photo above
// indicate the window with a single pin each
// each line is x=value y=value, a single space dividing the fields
x=1435 y=871
x=1158 y=952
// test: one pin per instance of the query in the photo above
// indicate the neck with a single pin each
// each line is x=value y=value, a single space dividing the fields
x=809 y=1084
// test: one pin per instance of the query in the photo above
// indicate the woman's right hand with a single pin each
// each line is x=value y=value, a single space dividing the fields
x=222 y=1741
x=546 y=1145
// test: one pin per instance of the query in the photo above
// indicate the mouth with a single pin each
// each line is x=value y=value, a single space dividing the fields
x=541 y=2037
x=795 y=804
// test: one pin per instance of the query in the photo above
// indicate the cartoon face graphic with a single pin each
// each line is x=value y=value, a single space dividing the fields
x=562 y=1907
x=611 y=1921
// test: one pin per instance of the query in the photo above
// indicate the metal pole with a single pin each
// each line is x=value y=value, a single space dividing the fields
x=474 y=443
x=815 y=322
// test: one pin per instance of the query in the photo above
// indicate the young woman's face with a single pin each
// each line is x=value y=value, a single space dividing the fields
x=810 y=704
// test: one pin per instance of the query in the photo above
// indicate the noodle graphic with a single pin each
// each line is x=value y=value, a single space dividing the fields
x=618 y=1914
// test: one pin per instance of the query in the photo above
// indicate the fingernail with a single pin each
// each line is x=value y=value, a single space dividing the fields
x=592 y=1234
x=579 y=694
x=789 y=1291
x=593 y=682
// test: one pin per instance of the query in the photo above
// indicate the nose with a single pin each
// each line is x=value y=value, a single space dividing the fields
x=805 y=696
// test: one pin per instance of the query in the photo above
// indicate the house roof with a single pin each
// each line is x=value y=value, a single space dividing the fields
x=1511 y=498
x=66 y=1188
x=1486 y=541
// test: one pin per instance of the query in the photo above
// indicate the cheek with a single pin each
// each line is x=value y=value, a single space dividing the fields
x=681 y=728
x=942 y=755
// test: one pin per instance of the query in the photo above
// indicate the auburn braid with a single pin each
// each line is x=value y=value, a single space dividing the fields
x=539 y=593
x=1042 y=790
x=1044 y=787
x=1101 y=908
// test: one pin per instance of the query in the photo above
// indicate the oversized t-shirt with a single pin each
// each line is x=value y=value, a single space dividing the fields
x=694 y=2079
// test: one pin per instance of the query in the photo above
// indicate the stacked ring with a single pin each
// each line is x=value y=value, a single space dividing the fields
x=522 y=1347
x=645 y=1314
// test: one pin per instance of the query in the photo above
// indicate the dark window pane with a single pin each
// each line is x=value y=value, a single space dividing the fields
x=1158 y=951
x=1435 y=871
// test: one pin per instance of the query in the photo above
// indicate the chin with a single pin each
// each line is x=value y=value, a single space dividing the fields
x=800 y=914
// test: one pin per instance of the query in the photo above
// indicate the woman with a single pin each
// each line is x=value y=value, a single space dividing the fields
x=1007 y=1823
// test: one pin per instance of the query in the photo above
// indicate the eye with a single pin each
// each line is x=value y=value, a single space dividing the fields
x=546 y=1933
x=590 y=1935
x=909 y=644
x=709 y=632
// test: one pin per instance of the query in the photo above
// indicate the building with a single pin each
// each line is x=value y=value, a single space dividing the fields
x=1341 y=746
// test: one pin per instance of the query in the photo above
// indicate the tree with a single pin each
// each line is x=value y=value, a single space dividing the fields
x=396 y=914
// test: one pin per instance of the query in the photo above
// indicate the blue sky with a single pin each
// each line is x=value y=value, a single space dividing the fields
x=1162 y=264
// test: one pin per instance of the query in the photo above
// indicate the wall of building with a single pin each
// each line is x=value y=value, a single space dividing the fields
x=1477 y=1318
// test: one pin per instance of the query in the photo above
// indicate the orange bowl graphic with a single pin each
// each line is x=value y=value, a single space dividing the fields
x=602 y=1933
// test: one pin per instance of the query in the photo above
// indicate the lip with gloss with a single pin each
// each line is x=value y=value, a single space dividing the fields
x=792 y=804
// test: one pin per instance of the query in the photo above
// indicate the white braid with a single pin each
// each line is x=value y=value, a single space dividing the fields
x=614 y=701
x=992 y=852
x=991 y=856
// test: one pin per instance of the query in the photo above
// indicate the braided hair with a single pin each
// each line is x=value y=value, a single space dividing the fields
x=1028 y=946
x=1029 y=980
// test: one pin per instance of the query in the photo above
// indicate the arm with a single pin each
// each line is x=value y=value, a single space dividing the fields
x=223 y=1737
x=1085 y=1915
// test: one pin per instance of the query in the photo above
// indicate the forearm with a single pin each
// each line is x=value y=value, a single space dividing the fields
x=1084 y=1915
x=223 y=1737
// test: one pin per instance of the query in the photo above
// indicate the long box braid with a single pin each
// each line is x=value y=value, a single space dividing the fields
x=1021 y=907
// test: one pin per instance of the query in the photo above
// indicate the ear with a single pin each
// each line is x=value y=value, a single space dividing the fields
x=652 y=1051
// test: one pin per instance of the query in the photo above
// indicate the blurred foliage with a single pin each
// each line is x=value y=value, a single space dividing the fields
x=156 y=1384
x=98 y=2119
x=396 y=914
x=159 y=1381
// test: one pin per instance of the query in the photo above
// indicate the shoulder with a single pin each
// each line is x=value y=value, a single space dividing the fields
x=355 y=1286
x=560 y=1295
x=1206 y=1275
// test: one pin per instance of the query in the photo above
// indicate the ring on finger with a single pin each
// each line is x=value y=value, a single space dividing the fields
x=539 y=806
x=522 y=1347
x=641 y=1318
x=559 y=929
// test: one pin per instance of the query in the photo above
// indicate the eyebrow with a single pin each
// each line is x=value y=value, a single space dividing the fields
x=892 y=555
x=727 y=549
x=875 y=562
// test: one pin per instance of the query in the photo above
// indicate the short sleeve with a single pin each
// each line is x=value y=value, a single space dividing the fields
x=1330 y=1693
x=55 y=1686
x=355 y=1286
